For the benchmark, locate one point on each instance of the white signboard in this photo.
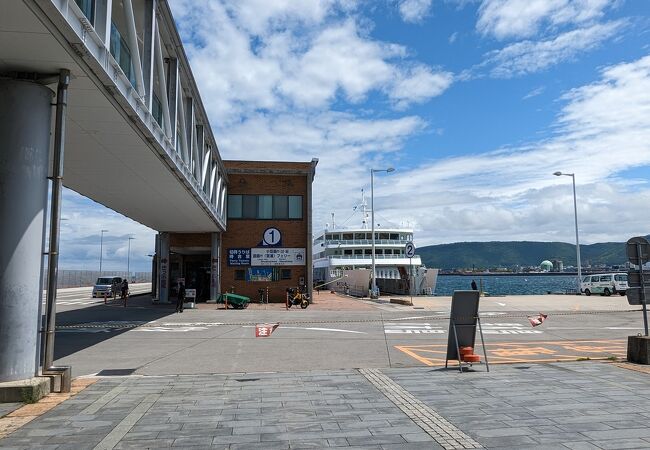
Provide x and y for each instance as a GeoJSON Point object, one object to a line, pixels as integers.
{"type": "Point", "coordinates": [278, 256]}
{"type": "Point", "coordinates": [190, 293]}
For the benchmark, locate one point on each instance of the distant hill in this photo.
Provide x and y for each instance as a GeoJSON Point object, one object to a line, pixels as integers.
{"type": "Point", "coordinates": [524, 253]}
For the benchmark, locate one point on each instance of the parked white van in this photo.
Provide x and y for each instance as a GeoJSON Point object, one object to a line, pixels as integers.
{"type": "Point", "coordinates": [604, 284]}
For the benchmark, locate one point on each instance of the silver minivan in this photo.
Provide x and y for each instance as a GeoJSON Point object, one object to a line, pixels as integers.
{"type": "Point", "coordinates": [108, 286]}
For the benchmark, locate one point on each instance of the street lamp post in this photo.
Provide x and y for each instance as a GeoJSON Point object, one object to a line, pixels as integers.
{"type": "Point", "coordinates": [373, 290]}
{"type": "Point", "coordinates": [128, 259]}
{"type": "Point", "coordinates": [101, 250]}
{"type": "Point", "coordinates": [575, 211]}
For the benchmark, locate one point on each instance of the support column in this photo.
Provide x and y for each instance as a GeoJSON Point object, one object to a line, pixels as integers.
{"type": "Point", "coordinates": [25, 114]}
{"type": "Point", "coordinates": [163, 269]}
{"type": "Point", "coordinates": [310, 236]}
{"type": "Point", "coordinates": [154, 269]}
{"type": "Point", "coordinates": [215, 267]}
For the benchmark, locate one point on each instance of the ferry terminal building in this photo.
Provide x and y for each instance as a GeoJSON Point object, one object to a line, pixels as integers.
{"type": "Point", "coordinates": [267, 244]}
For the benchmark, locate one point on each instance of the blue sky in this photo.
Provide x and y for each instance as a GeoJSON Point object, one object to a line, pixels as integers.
{"type": "Point", "coordinates": [475, 103]}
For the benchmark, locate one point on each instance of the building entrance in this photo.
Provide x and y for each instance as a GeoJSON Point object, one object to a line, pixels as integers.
{"type": "Point", "coordinates": [194, 271]}
{"type": "Point", "coordinates": [197, 276]}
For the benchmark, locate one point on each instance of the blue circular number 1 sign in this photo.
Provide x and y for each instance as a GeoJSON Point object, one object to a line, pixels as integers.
{"type": "Point", "coordinates": [271, 236]}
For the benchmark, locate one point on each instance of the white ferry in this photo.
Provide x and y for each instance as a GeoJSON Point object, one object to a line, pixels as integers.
{"type": "Point", "coordinates": [343, 259]}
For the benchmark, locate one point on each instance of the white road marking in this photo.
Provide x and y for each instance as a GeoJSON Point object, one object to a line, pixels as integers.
{"type": "Point", "coordinates": [323, 329]}
{"type": "Point", "coordinates": [488, 328]}
{"type": "Point", "coordinates": [171, 329]}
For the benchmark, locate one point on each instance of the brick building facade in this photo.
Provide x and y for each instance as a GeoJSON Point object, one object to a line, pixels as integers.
{"type": "Point", "coordinates": [267, 243]}
{"type": "Point", "coordinates": [269, 214]}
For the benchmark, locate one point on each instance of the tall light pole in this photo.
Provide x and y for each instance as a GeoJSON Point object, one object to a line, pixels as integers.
{"type": "Point", "coordinates": [374, 292]}
{"type": "Point", "coordinates": [128, 259]}
{"type": "Point", "coordinates": [101, 250]}
{"type": "Point", "coordinates": [575, 211]}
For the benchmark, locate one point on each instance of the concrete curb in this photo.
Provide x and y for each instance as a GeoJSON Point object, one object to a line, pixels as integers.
{"type": "Point", "coordinates": [26, 391]}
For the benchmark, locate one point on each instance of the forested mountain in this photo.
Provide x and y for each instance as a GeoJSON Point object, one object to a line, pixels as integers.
{"type": "Point", "coordinates": [524, 253]}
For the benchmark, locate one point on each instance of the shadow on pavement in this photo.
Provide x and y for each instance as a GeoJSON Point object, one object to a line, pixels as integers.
{"type": "Point", "coordinates": [78, 329]}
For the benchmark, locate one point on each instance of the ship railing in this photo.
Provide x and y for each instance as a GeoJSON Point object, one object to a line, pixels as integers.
{"type": "Point", "coordinates": [399, 242]}
{"type": "Point", "coordinates": [369, 256]}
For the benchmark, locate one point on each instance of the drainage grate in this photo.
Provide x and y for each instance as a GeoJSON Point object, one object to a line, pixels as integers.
{"type": "Point", "coordinates": [115, 372]}
{"type": "Point", "coordinates": [244, 380]}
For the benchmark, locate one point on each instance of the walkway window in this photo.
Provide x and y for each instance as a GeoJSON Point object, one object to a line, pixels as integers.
{"type": "Point", "coordinates": [122, 54]}
{"type": "Point", "coordinates": [88, 8]}
{"type": "Point", "coordinates": [156, 109]}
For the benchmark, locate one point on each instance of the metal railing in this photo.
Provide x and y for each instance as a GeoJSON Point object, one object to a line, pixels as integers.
{"type": "Point", "coordinates": [81, 278]}
{"type": "Point", "coordinates": [396, 242]}
{"type": "Point", "coordinates": [370, 256]}
{"type": "Point", "coordinates": [130, 62]}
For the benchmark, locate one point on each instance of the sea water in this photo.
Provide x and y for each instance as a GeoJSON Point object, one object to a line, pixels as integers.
{"type": "Point", "coordinates": [508, 285]}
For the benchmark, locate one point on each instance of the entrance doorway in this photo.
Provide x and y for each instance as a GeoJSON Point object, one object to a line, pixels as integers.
{"type": "Point", "coordinates": [197, 275]}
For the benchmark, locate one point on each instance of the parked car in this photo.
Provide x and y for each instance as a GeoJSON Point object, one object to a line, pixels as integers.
{"type": "Point", "coordinates": [107, 286]}
{"type": "Point", "coordinates": [604, 284]}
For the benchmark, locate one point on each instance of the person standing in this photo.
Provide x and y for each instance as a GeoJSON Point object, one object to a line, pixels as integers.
{"type": "Point", "coordinates": [125, 288]}
{"type": "Point", "coordinates": [181, 297]}
{"type": "Point", "coordinates": [474, 286]}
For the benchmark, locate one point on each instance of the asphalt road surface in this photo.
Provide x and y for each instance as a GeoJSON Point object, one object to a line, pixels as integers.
{"type": "Point", "coordinates": [82, 296]}
{"type": "Point", "coordinates": [141, 339]}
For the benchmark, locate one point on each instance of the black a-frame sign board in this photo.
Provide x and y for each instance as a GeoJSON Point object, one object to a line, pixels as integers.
{"type": "Point", "coordinates": [462, 326]}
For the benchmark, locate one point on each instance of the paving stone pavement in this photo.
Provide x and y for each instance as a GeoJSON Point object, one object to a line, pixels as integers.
{"type": "Point", "coordinates": [567, 405]}
{"type": "Point", "coordinates": [6, 408]}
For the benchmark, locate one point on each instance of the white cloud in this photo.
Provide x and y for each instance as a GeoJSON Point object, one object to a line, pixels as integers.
{"type": "Point", "coordinates": [534, 93]}
{"type": "Point", "coordinates": [524, 18]}
{"type": "Point", "coordinates": [302, 55]}
{"type": "Point", "coordinates": [339, 58]}
{"type": "Point", "coordinates": [414, 10]}
{"type": "Point", "coordinates": [453, 37]}
{"type": "Point", "coordinates": [510, 193]}
{"type": "Point", "coordinates": [418, 85]}
{"type": "Point", "coordinates": [533, 56]}
{"type": "Point", "coordinates": [80, 237]}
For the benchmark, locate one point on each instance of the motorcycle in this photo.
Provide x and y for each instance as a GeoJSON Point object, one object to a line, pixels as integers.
{"type": "Point", "coordinates": [297, 297]}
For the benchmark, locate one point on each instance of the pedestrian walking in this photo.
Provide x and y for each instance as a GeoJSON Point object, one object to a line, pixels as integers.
{"type": "Point", "coordinates": [125, 288]}
{"type": "Point", "coordinates": [474, 286]}
{"type": "Point", "coordinates": [180, 298]}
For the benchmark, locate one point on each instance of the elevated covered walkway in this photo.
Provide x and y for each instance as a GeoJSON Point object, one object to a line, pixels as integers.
{"type": "Point", "coordinates": [130, 129]}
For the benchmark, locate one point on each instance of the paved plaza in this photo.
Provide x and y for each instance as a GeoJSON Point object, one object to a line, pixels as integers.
{"type": "Point", "coordinates": [580, 405]}
{"type": "Point", "coordinates": [343, 373]}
